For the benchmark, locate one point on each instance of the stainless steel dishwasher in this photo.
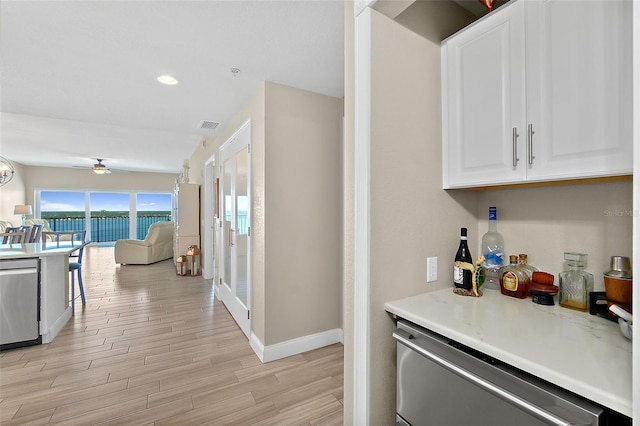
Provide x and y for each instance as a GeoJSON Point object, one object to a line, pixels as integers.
{"type": "Point", "coordinates": [441, 382]}
{"type": "Point", "coordinates": [19, 303]}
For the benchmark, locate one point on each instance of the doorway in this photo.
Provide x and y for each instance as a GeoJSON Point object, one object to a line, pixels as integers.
{"type": "Point", "coordinates": [211, 216]}
{"type": "Point", "coordinates": [235, 249]}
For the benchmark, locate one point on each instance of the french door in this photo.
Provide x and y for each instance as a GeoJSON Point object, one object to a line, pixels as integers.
{"type": "Point", "coordinates": [235, 283]}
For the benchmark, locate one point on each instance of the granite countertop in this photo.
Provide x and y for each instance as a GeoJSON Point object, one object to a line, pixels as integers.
{"type": "Point", "coordinates": [577, 351]}
{"type": "Point", "coordinates": [22, 251]}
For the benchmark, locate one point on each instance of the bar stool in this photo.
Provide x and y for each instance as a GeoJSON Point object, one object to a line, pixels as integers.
{"type": "Point", "coordinates": [75, 267]}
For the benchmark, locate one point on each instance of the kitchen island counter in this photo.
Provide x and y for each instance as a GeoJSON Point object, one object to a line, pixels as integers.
{"type": "Point", "coordinates": [25, 251]}
{"type": "Point", "coordinates": [582, 353]}
{"type": "Point", "coordinates": [55, 310]}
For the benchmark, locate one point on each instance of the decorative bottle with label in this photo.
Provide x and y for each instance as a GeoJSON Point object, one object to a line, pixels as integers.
{"type": "Point", "coordinates": [493, 252]}
{"type": "Point", "coordinates": [523, 261]}
{"type": "Point", "coordinates": [462, 277]}
{"type": "Point", "coordinates": [576, 283]}
{"type": "Point", "coordinates": [513, 280]}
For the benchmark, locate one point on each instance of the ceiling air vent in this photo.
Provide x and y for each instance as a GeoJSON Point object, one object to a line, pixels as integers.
{"type": "Point", "coordinates": [208, 125]}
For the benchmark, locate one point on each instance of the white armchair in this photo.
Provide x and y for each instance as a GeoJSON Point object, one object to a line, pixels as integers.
{"type": "Point", "coordinates": [157, 246]}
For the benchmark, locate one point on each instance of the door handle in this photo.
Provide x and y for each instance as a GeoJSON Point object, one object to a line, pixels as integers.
{"type": "Point", "coordinates": [231, 231]}
{"type": "Point", "coordinates": [514, 141]}
{"type": "Point", "coordinates": [530, 134]}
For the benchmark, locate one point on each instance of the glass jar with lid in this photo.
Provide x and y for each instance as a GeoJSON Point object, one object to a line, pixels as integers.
{"type": "Point", "coordinates": [576, 283]}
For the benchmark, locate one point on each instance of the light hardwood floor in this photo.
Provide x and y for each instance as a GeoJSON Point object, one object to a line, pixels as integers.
{"type": "Point", "coordinates": [151, 348]}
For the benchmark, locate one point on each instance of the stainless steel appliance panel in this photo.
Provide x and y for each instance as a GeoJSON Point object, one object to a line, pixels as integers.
{"type": "Point", "coordinates": [19, 302]}
{"type": "Point", "coordinates": [441, 382]}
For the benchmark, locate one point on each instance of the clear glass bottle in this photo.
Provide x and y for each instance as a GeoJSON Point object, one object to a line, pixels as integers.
{"type": "Point", "coordinates": [576, 283]}
{"type": "Point", "coordinates": [493, 252]}
{"type": "Point", "coordinates": [524, 265]}
{"type": "Point", "coordinates": [513, 280]}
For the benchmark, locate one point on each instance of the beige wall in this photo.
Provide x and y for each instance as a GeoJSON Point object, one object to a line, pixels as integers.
{"type": "Point", "coordinates": [63, 178]}
{"type": "Point", "coordinates": [435, 20]}
{"type": "Point", "coordinates": [302, 205]}
{"type": "Point", "coordinates": [545, 222]}
{"type": "Point", "coordinates": [295, 228]}
{"type": "Point", "coordinates": [411, 216]}
{"type": "Point", "coordinates": [254, 109]}
{"type": "Point", "coordinates": [28, 179]}
{"type": "Point", "coordinates": [13, 193]}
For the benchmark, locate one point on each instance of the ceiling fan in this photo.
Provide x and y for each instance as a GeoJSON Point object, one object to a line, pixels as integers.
{"type": "Point", "coordinates": [98, 168]}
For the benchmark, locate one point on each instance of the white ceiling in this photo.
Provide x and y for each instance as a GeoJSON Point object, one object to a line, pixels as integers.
{"type": "Point", "coordinates": [78, 78]}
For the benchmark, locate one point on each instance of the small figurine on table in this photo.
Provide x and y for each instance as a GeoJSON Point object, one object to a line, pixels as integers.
{"type": "Point", "coordinates": [477, 278]}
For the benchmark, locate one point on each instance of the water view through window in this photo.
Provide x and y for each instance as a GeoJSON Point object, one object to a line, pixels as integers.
{"type": "Point", "coordinates": [106, 216]}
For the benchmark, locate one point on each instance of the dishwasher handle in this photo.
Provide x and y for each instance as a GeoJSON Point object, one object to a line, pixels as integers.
{"type": "Point", "coordinates": [406, 338]}
{"type": "Point", "coordinates": [20, 271]}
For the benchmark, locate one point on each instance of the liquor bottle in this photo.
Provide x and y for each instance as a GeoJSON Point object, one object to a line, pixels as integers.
{"type": "Point", "coordinates": [513, 280]}
{"type": "Point", "coordinates": [493, 252]}
{"type": "Point", "coordinates": [462, 277]}
{"type": "Point", "coordinates": [524, 265]}
{"type": "Point", "coordinates": [576, 283]}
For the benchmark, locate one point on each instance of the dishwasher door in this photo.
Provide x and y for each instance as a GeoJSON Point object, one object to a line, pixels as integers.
{"type": "Point", "coordinates": [19, 303]}
{"type": "Point", "coordinates": [441, 382]}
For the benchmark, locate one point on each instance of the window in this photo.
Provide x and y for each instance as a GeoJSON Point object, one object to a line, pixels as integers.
{"type": "Point", "coordinates": [107, 216]}
{"type": "Point", "coordinates": [151, 208]}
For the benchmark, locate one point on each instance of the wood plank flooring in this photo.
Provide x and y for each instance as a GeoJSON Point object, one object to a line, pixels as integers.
{"type": "Point", "coordinates": [151, 348]}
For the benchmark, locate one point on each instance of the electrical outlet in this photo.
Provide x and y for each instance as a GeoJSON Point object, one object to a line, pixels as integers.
{"type": "Point", "coordinates": [432, 269]}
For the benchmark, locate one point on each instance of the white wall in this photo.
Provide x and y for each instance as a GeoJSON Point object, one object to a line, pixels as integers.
{"type": "Point", "coordinates": [348, 202]}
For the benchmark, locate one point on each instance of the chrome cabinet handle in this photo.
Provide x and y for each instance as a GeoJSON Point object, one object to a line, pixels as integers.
{"type": "Point", "coordinates": [407, 339]}
{"type": "Point", "coordinates": [514, 140]}
{"type": "Point", "coordinates": [530, 134]}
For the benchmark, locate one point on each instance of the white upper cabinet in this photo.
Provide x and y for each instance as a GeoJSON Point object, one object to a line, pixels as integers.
{"type": "Point", "coordinates": [579, 90]}
{"type": "Point", "coordinates": [538, 91]}
{"type": "Point", "coordinates": [484, 101]}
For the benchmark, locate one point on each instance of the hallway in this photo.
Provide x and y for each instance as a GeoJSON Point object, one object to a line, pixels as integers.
{"type": "Point", "coordinates": [153, 348]}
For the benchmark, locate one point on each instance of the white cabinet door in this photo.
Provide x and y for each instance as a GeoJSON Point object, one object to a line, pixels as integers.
{"type": "Point", "coordinates": [578, 88]}
{"type": "Point", "coordinates": [484, 101]}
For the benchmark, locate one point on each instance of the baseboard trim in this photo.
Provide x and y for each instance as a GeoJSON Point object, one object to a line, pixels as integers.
{"type": "Point", "coordinates": [57, 326]}
{"type": "Point", "coordinates": [295, 346]}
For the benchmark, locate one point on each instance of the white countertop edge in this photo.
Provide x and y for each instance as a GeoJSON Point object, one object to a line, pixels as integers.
{"type": "Point", "coordinates": [27, 250]}
{"type": "Point", "coordinates": [411, 308]}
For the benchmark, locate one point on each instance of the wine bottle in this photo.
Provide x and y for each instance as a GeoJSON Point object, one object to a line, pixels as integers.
{"type": "Point", "coordinates": [493, 252]}
{"type": "Point", "coordinates": [462, 277]}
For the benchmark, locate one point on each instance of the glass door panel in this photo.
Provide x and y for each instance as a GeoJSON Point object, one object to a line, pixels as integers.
{"type": "Point", "coordinates": [227, 217]}
{"type": "Point", "coordinates": [235, 291]}
{"type": "Point", "coordinates": [109, 216]}
{"type": "Point", "coordinates": [241, 210]}
{"type": "Point", "coordinates": [64, 210]}
{"type": "Point", "coordinates": [151, 208]}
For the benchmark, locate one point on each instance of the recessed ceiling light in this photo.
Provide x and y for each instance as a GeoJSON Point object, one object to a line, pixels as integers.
{"type": "Point", "coordinates": [167, 79]}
